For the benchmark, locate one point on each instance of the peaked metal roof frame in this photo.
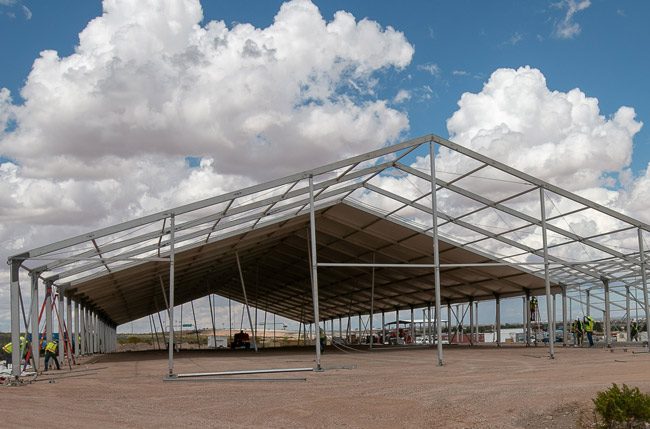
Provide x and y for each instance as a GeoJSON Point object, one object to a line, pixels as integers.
{"type": "Point", "coordinates": [548, 250]}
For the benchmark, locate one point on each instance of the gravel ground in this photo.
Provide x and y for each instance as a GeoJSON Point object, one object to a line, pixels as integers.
{"type": "Point", "coordinates": [478, 387]}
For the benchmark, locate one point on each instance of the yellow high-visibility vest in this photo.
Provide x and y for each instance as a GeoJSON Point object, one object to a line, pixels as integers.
{"type": "Point", "coordinates": [51, 347]}
{"type": "Point", "coordinates": [589, 326]}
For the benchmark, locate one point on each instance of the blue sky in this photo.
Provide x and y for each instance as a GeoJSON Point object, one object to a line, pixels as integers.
{"type": "Point", "coordinates": [597, 46]}
{"type": "Point", "coordinates": [607, 59]}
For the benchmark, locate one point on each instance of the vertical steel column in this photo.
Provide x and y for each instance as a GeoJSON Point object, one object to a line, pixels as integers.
{"type": "Point", "coordinates": [552, 330]}
{"type": "Point", "coordinates": [476, 324]}
{"type": "Point", "coordinates": [93, 339]}
{"type": "Point", "coordinates": [449, 314]}
{"type": "Point", "coordinates": [314, 264]}
{"type": "Point", "coordinates": [396, 325]}
{"type": "Point", "coordinates": [459, 326]}
{"type": "Point", "coordinates": [340, 328]}
{"type": "Point", "coordinates": [48, 311]}
{"type": "Point", "coordinates": [565, 326]}
{"type": "Point", "coordinates": [372, 301]}
{"type": "Point", "coordinates": [588, 292]}
{"type": "Point", "coordinates": [628, 330]}
{"type": "Point", "coordinates": [471, 322]}
{"type": "Point", "coordinates": [547, 278]}
{"type": "Point", "coordinates": [77, 329]}
{"type": "Point", "coordinates": [606, 318]}
{"type": "Point", "coordinates": [61, 324]}
{"type": "Point", "coordinates": [383, 328]}
{"type": "Point", "coordinates": [360, 324]}
{"type": "Point", "coordinates": [645, 287]}
{"type": "Point", "coordinates": [429, 326]}
{"type": "Point", "coordinates": [14, 293]}
{"type": "Point", "coordinates": [526, 319]}
{"type": "Point", "coordinates": [436, 255]}
{"type": "Point", "coordinates": [497, 322]}
{"type": "Point", "coordinates": [413, 335]}
{"type": "Point", "coordinates": [36, 349]}
{"type": "Point", "coordinates": [68, 319]}
{"type": "Point", "coordinates": [248, 309]}
{"type": "Point", "coordinates": [172, 258]}
{"type": "Point", "coordinates": [82, 329]}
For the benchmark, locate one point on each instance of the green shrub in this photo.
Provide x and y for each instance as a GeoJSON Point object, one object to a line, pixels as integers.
{"type": "Point", "coordinates": [625, 407]}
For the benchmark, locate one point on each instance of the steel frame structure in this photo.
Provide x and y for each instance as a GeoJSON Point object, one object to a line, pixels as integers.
{"type": "Point", "coordinates": [486, 242]}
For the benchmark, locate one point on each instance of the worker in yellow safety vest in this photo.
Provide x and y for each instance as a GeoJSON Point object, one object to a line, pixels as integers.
{"type": "Point", "coordinates": [589, 329]}
{"type": "Point", "coordinates": [8, 348]}
{"type": "Point", "coordinates": [50, 353]}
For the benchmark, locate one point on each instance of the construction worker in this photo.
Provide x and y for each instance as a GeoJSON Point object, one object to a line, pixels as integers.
{"type": "Point", "coordinates": [634, 331]}
{"type": "Point", "coordinates": [576, 328]}
{"type": "Point", "coordinates": [589, 329]}
{"type": "Point", "coordinates": [8, 348]}
{"type": "Point", "coordinates": [50, 353]}
{"type": "Point", "coordinates": [323, 340]}
{"type": "Point", "coordinates": [533, 308]}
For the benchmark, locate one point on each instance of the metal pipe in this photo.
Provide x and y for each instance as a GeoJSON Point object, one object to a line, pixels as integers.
{"type": "Point", "coordinates": [314, 264]}
{"type": "Point", "coordinates": [48, 311]}
{"type": "Point", "coordinates": [547, 279]}
{"type": "Point", "coordinates": [471, 322]}
{"type": "Point", "coordinates": [628, 326]}
{"type": "Point", "coordinates": [498, 320]}
{"type": "Point", "coordinates": [436, 250]}
{"type": "Point", "coordinates": [606, 312]}
{"type": "Point", "coordinates": [14, 292]}
{"type": "Point", "coordinates": [61, 325]}
{"type": "Point", "coordinates": [252, 371]}
{"type": "Point", "coordinates": [171, 292]}
{"type": "Point", "coordinates": [69, 326]}
{"type": "Point", "coordinates": [248, 310]}
{"type": "Point", "coordinates": [77, 329]}
{"type": "Point", "coordinates": [36, 335]}
{"type": "Point", "coordinates": [645, 287]}
{"type": "Point", "coordinates": [565, 326]}
{"type": "Point", "coordinates": [372, 301]}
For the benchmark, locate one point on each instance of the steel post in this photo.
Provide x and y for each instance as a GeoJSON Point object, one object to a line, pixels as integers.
{"type": "Point", "coordinates": [565, 325]}
{"type": "Point", "coordinates": [645, 287]}
{"type": "Point", "coordinates": [383, 328]}
{"type": "Point", "coordinates": [606, 312]}
{"type": "Point", "coordinates": [588, 292]}
{"type": "Point", "coordinates": [436, 252]}
{"type": "Point", "coordinates": [77, 329]}
{"type": "Point", "coordinates": [314, 264]}
{"type": "Point", "coordinates": [82, 330]}
{"type": "Point", "coordinates": [497, 322]}
{"type": "Point", "coordinates": [61, 325]}
{"type": "Point", "coordinates": [36, 335]}
{"type": "Point", "coordinates": [471, 322]}
{"type": "Point", "coordinates": [372, 301]}
{"type": "Point", "coordinates": [172, 257]}
{"type": "Point", "coordinates": [48, 311]}
{"type": "Point", "coordinates": [476, 324]}
{"type": "Point", "coordinates": [628, 327]}
{"type": "Point", "coordinates": [527, 318]}
{"type": "Point", "coordinates": [429, 325]}
{"type": "Point", "coordinates": [413, 334]}
{"type": "Point", "coordinates": [14, 293]}
{"type": "Point", "coordinates": [68, 319]}
{"type": "Point", "coordinates": [547, 278]}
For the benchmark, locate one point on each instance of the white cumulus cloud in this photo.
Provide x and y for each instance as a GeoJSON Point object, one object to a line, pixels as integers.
{"type": "Point", "coordinates": [102, 134]}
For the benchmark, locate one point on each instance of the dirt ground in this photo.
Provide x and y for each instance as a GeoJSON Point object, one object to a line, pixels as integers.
{"type": "Point", "coordinates": [478, 387]}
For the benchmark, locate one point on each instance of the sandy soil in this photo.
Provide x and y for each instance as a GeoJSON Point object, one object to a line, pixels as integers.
{"type": "Point", "coordinates": [479, 387]}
